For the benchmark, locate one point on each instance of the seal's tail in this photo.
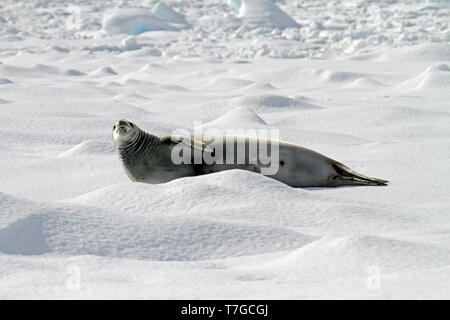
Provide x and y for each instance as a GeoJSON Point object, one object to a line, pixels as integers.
{"type": "Point", "coordinates": [347, 177]}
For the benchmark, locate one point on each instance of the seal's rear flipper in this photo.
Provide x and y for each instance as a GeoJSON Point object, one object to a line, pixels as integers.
{"type": "Point", "coordinates": [347, 177]}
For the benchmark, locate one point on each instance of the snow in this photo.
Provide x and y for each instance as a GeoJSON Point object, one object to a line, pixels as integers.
{"type": "Point", "coordinates": [129, 44]}
{"type": "Point", "coordinates": [264, 13]}
{"type": "Point", "coordinates": [132, 22]}
{"type": "Point", "coordinates": [434, 77]}
{"type": "Point", "coordinates": [166, 13]}
{"type": "Point", "coordinates": [364, 83]}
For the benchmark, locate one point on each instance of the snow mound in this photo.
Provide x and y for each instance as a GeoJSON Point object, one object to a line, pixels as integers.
{"type": "Point", "coordinates": [382, 116]}
{"type": "Point", "coordinates": [132, 79]}
{"type": "Point", "coordinates": [133, 22]}
{"type": "Point", "coordinates": [151, 52]}
{"type": "Point", "coordinates": [172, 87]}
{"type": "Point", "coordinates": [43, 68]}
{"type": "Point", "coordinates": [338, 76]}
{"type": "Point", "coordinates": [77, 230]}
{"type": "Point", "coordinates": [24, 237]}
{"type": "Point", "coordinates": [110, 84]}
{"type": "Point", "coordinates": [150, 67]}
{"type": "Point", "coordinates": [5, 81]}
{"type": "Point", "coordinates": [166, 13]}
{"type": "Point", "coordinates": [226, 83]}
{"type": "Point", "coordinates": [14, 208]}
{"type": "Point", "coordinates": [353, 255]}
{"type": "Point", "coordinates": [440, 67]}
{"type": "Point", "coordinates": [96, 107]}
{"type": "Point", "coordinates": [434, 77]}
{"type": "Point", "coordinates": [306, 76]}
{"type": "Point", "coordinates": [255, 199]}
{"type": "Point", "coordinates": [265, 13]}
{"type": "Point", "coordinates": [194, 194]}
{"type": "Point", "coordinates": [259, 86]}
{"type": "Point", "coordinates": [271, 100]}
{"type": "Point", "coordinates": [73, 72]}
{"type": "Point", "coordinates": [38, 70]}
{"type": "Point", "coordinates": [365, 83]}
{"type": "Point", "coordinates": [395, 115]}
{"type": "Point", "coordinates": [103, 72]}
{"type": "Point", "coordinates": [241, 117]}
{"type": "Point", "coordinates": [430, 52]}
{"type": "Point", "coordinates": [207, 196]}
{"type": "Point", "coordinates": [2, 101]}
{"type": "Point", "coordinates": [130, 44]}
{"type": "Point", "coordinates": [130, 97]}
{"type": "Point", "coordinates": [89, 147]}
{"type": "Point", "coordinates": [178, 239]}
{"type": "Point", "coordinates": [267, 102]}
{"type": "Point", "coordinates": [235, 4]}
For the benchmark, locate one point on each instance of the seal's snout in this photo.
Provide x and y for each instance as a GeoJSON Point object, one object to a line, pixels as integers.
{"type": "Point", "coordinates": [122, 126]}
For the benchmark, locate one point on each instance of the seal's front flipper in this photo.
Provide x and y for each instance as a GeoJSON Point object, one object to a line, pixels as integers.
{"type": "Point", "coordinates": [194, 143]}
{"type": "Point", "coordinates": [200, 154]}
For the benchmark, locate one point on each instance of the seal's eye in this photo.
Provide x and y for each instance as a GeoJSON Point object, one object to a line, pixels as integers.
{"type": "Point", "coordinates": [131, 124]}
{"type": "Point", "coordinates": [114, 128]}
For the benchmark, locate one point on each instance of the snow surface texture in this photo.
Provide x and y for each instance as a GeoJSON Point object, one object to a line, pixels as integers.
{"type": "Point", "coordinates": [366, 83]}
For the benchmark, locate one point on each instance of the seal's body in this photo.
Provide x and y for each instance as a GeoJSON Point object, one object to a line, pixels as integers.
{"type": "Point", "coordinates": [150, 158]}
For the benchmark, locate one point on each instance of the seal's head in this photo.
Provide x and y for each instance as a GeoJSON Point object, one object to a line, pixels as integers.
{"type": "Point", "coordinates": [124, 132]}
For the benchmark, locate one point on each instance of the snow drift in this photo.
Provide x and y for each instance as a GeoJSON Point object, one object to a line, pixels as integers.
{"type": "Point", "coordinates": [265, 13]}
{"type": "Point", "coordinates": [133, 22]}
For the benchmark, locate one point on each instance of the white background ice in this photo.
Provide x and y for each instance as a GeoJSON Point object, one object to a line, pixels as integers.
{"type": "Point", "coordinates": [366, 83]}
